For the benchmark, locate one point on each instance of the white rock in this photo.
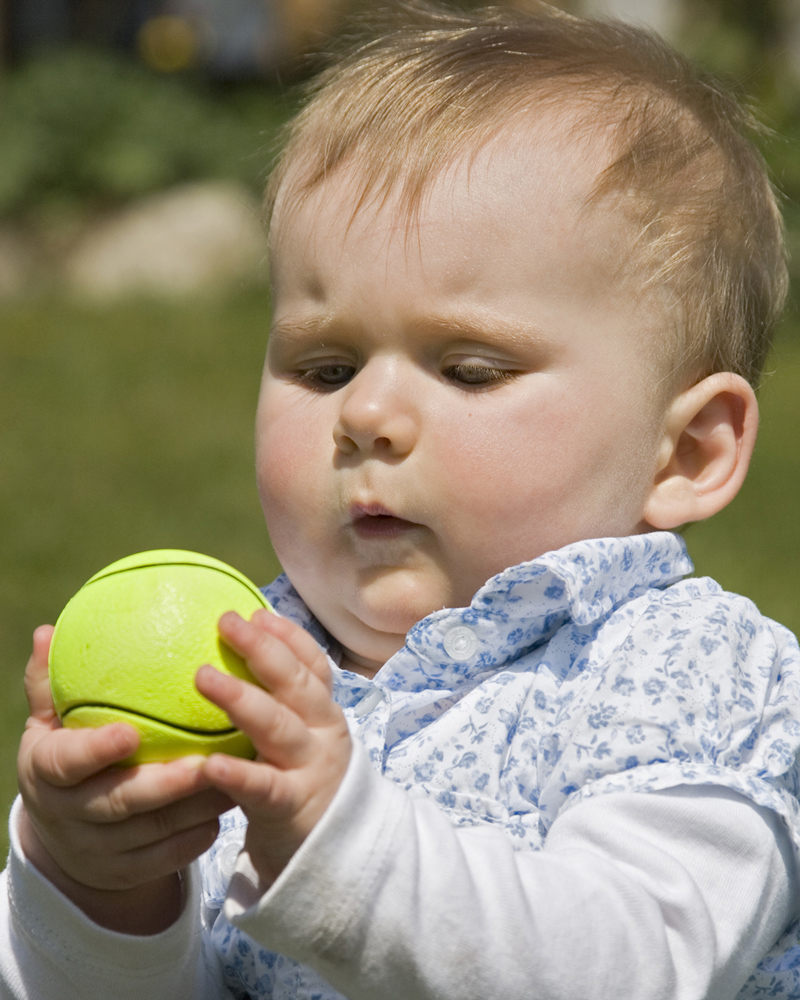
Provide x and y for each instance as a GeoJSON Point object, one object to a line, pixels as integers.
{"type": "Point", "coordinates": [182, 241]}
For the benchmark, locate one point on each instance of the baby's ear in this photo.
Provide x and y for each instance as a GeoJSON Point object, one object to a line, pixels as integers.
{"type": "Point", "coordinates": [709, 434]}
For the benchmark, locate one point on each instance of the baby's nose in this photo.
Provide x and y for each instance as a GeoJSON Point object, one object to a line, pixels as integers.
{"type": "Point", "coordinates": [377, 417]}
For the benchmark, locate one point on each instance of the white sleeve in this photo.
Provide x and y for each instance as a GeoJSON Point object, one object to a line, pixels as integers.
{"type": "Point", "coordinates": [672, 894]}
{"type": "Point", "coordinates": [49, 950]}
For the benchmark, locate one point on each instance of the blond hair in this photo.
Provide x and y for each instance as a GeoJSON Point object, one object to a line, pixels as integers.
{"type": "Point", "coordinates": [435, 85]}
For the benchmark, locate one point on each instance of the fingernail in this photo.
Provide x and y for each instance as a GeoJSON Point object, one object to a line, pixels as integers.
{"type": "Point", "coordinates": [221, 766]}
{"type": "Point", "coordinates": [124, 738]}
{"type": "Point", "coordinates": [193, 762]}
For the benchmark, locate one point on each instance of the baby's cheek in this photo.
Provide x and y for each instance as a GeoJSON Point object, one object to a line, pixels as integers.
{"type": "Point", "coordinates": [488, 464]}
{"type": "Point", "coordinates": [278, 488]}
{"type": "Point", "coordinates": [283, 446]}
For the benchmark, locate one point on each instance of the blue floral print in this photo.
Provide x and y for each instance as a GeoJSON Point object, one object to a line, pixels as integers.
{"type": "Point", "coordinates": [589, 670]}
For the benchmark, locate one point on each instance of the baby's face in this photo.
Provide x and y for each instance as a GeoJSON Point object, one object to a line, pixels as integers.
{"type": "Point", "coordinates": [443, 401]}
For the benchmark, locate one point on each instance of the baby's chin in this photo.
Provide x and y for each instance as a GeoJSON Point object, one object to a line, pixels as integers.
{"type": "Point", "coordinates": [391, 601]}
{"type": "Point", "coordinates": [371, 632]}
{"type": "Point", "coordinates": [374, 641]}
{"type": "Point", "coordinates": [369, 613]}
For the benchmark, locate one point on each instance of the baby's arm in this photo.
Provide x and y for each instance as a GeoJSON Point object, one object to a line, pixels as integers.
{"type": "Point", "coordinates": [635, 896]}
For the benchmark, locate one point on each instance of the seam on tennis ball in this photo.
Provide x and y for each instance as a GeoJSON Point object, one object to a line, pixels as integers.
{"type": "Point", "coordinates": [135, 713]}
{"type": "Point", "coordinates": [234, 574]}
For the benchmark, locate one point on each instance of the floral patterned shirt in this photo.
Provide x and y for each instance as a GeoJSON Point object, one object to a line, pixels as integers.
{"type": "Point", "coordinates": [589, 670]}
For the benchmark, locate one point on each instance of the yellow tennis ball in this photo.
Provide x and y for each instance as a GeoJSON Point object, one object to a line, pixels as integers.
{"type": "Point", "coordinates": [127, 646]}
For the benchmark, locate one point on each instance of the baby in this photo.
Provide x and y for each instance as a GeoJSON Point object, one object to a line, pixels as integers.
{"type": "Point", "coordinates": [525, 270]}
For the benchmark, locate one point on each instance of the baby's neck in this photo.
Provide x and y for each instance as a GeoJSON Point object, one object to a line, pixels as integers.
{"type": "Point", "coordinates": [358, 665]}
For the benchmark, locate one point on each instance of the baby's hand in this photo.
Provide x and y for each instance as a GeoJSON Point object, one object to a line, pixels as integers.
{"type": "Point", "coordinates": [299, 732]}
{"type": "Point", "coordinates": [111, 839]}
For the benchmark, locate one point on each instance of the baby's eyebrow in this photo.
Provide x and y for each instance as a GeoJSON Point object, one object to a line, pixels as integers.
{"type": "Point", "coordinates": [485, 327]}
{"type": "Point", "coordinates": [301, 329]}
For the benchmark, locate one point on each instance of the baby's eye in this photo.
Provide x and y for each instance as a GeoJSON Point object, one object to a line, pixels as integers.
{"type": "Point", "coordinates": [324, 377]}
{"type": "Point", "coordinates": [478, 375]}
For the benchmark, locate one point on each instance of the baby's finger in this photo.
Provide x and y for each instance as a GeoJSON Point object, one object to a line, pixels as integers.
{"type": "Point", "coordinates": [170, 855]}
{"type": "Point", "coordinates": [37, 679]}
{"type": "Point", "coordinates": [66, 757]}
{"type": "Point", "coordinates": [301, 643]}
{"type": "Point", "coordinates": [276, 666]}
{"type": "Point", "coordinates": [278, 735]}
{"type": "Point", "coordinates": [121, 793]}
{"type": "Point", "coordinates": [254, 786]}
{"type": "Point", "coordinates": [102, 867]}
{"type": "Point", "coordinates": [141, 830]}
{"type": "Point", "coordinates": [97, 861]}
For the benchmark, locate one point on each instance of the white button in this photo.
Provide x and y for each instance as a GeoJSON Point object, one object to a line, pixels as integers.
{"type": "Point", "coordinates": [461, 643]}
{"type": "Point", "coordinates": [227, 859]}
{"type": "Point", "coordinates": [368, 702]}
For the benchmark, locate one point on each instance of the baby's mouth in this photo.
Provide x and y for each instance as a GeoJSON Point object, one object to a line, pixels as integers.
{"type": "Point", "coordinates": [375, 521]}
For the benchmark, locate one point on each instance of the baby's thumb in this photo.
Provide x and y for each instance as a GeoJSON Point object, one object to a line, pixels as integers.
{"type": "Point", "coordinates": [37, 678]}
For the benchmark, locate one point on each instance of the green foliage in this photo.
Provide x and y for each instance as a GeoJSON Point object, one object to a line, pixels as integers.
{"type": "Point", "coordinates": [89, 126]}
{"type": "Point", "coordinates": [745, 43]}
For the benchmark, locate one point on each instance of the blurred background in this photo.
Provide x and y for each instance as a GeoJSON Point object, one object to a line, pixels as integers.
{"type": "Point", "coordinates": [134, 141]}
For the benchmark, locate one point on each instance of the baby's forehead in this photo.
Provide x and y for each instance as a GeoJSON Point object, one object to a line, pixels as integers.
{"type": "Point", "coordinates": [526, 189]}
{"type": "Point", "coordinates": [552, 157]}
{"type": "Point", "coordinates": [521, 204]}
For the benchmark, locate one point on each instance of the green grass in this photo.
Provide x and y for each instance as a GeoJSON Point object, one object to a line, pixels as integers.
{"type": "Point", "coordinates": [130, 428]}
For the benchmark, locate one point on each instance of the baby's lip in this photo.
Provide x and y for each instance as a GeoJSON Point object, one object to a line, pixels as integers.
{"type": "Point", "coordinates": [358, 510]}
{"type": "Point", "coordinates": [373, 520]}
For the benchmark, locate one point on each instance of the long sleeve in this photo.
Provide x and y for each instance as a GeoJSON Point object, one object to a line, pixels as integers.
{"type": "Point", "coordinates": [50, 951]}
{"type": "Point", "coordinates": [676, 893]}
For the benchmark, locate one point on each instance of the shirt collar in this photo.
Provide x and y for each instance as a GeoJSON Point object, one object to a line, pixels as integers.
{"type": "Point", "coordinates": [284, 599]}
{"type": "Point", "coordinates": [588, 579]}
